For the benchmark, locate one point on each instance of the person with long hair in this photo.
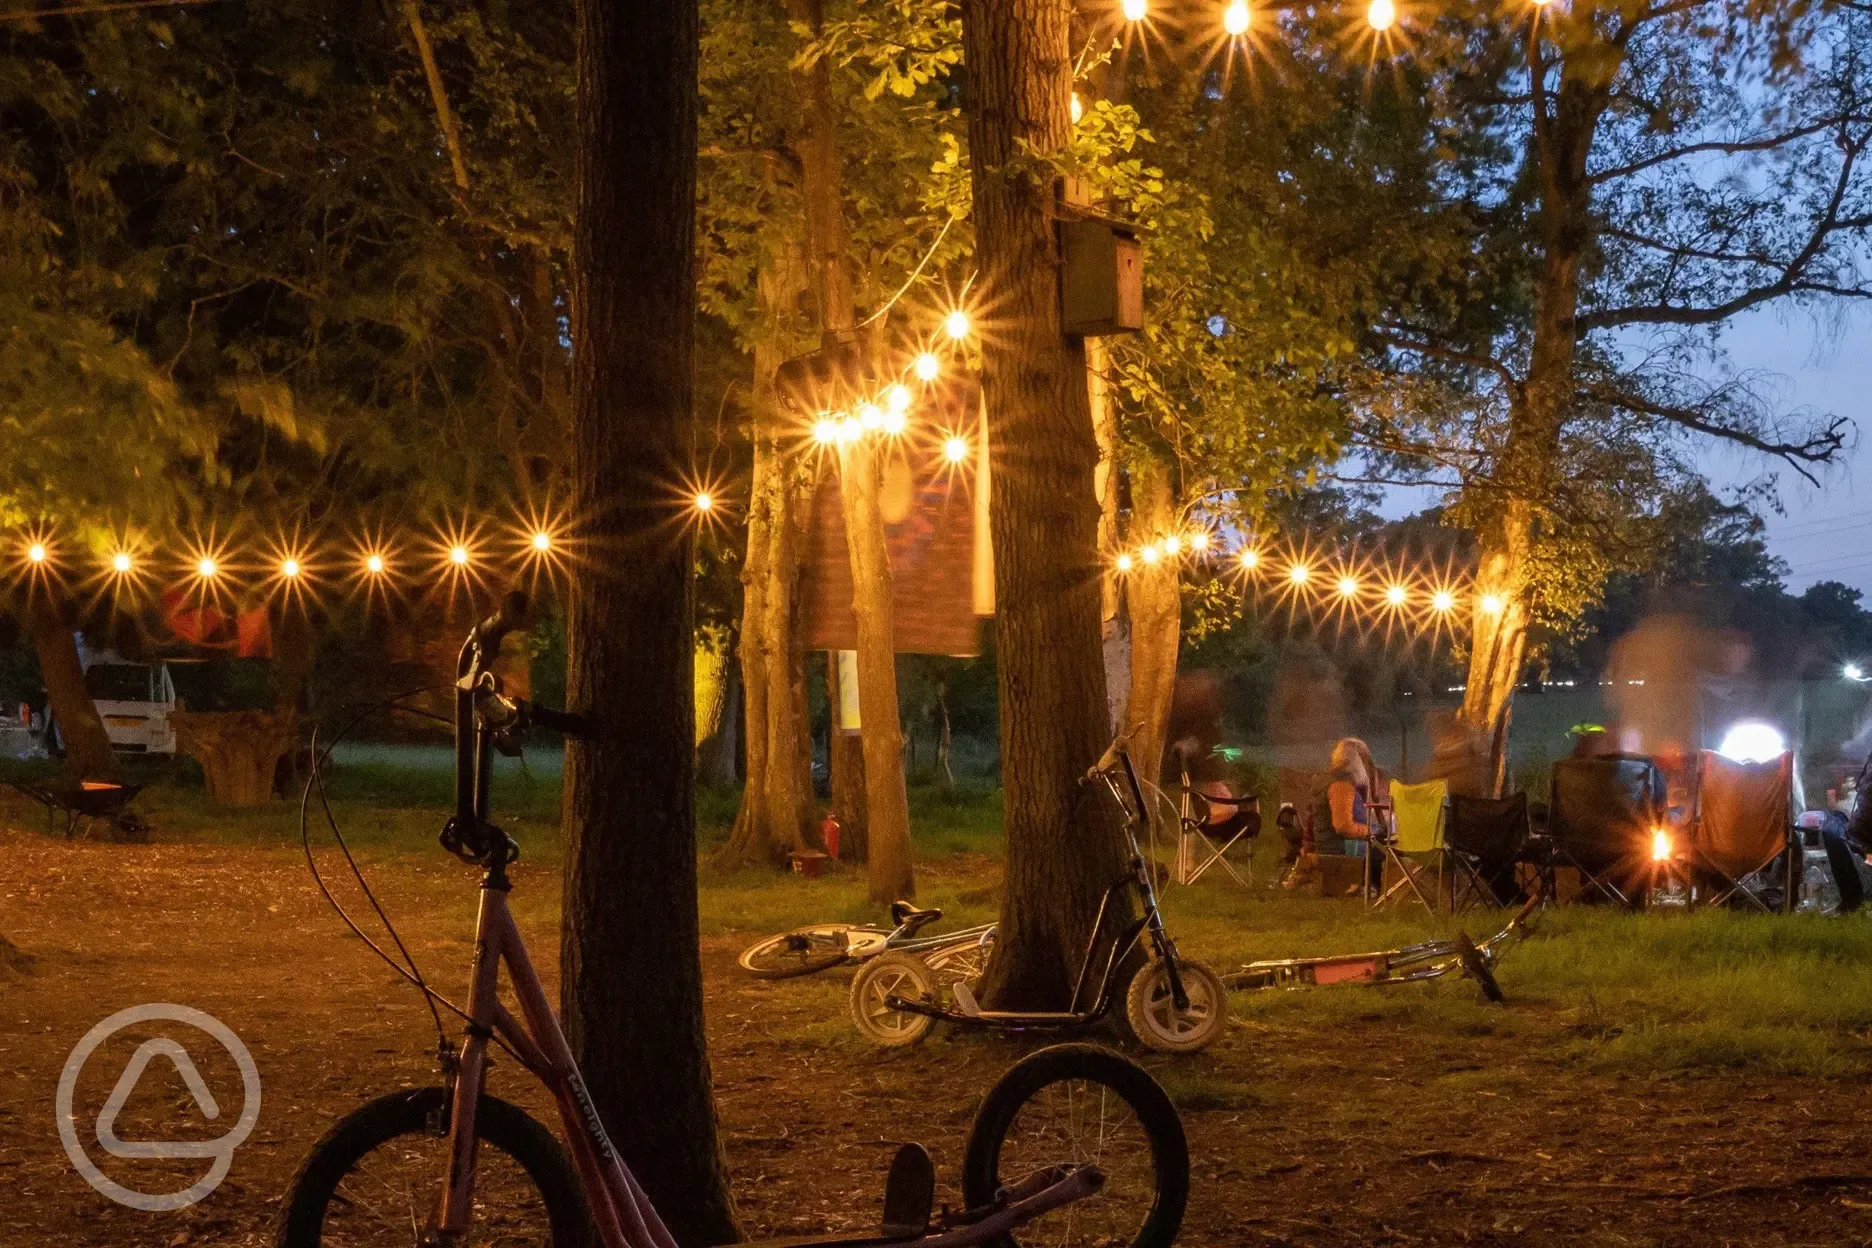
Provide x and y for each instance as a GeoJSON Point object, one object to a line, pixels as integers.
{"type": "Point", "coordinates": [1342, 804]}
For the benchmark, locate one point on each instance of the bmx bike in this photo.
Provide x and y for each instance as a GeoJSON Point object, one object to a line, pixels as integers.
{"type": "Point", "coordinates": [1074, 1134]}
{"type": "Point", "coordinates": [1172, 1003]}
{"type": "Point", "coordinates": [822, 946]}
{"type": "Point", "coordinates": [1413, 964]}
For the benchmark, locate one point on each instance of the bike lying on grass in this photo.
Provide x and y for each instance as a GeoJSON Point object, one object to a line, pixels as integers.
{"type": "Point", "coordinates": [1412, 964]}
{"type": "Point", "coordinates": [1172, 1003]}
{"type": "Point", "coordinates": [1074, 1133]}
{"type": "Point", "coordinates": [822, 946]}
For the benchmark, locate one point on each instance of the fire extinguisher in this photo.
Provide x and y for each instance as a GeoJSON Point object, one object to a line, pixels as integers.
{"type": "Point", "coordinates": [829, 835]}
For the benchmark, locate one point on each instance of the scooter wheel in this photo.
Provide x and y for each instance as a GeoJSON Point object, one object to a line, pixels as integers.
{"type": "Point", "coordinates": [893, 974]}
{"type": "Point", "coordinates": [1152, 1015]}
{"type": "Point", "coordinates": [1476, 965]}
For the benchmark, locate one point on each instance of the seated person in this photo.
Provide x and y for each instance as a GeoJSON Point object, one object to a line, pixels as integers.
{"type": "Point", "coordinates": [1847, 840]}
{"type": "Point", "coordinates": [1342, 804]}
{"type": "Point", "coordinates": [1215, 800]}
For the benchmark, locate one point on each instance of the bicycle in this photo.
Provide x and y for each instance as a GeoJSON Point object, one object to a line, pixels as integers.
{"type": "Point", "coordinates": [1172, 1003]}
{"type": "Point", "coordinates": [1413, 964]}
{"type": "Point", "coordinates": [451, 1166]}
{"type": "Point", "coordinates": [822, 946]}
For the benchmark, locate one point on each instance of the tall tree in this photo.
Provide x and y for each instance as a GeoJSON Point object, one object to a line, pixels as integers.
{"type": "Point", "coordinates": [1638, 175]}
{"type": "Point", "coordinates": [631, 987]}
{"type": "Point", "coordinates": [1044, 513]}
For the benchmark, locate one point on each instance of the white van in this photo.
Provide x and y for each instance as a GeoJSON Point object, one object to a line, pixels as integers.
{"type": "Point", "coordinates": [135, 701]}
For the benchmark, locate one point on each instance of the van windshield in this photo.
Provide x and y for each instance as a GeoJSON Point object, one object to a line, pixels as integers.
{"type": "Point", "coordinates": [118, 682]}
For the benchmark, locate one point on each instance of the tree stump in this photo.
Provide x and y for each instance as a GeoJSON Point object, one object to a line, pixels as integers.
{"type": "Point", "coordinates": [239, 751]}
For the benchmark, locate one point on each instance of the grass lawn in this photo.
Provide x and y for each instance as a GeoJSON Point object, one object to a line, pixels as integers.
{"type": "Point", "coordinates": [1642, 1068]}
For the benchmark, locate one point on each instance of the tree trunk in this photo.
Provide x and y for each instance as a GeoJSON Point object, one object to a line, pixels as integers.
{"type": "Point", "coordinates": [1559, 145]}
{"type": "Point", "coordinates": [943, 737]}
{"type": "Point", "coordinates": [239, 751]}
{"type": "Point", "coordinates": [715, 766]}
{"type": "Point", "coordinates": [1114, 619]}
{"type": "Point", "coordinates": [846, 774]}
{"type": "Point", "coordinates": [828, 245]}
{"type": "Point", "coordinates": [1154, 595]}
{"type": "Point", "coordinates": [87, 746]}
{"type": "Point", "coordinates": [776, 801]}
{"type": "Point", "coordinates": [1062, 848]}
{"type": "Point", "coordinates": [631, 974]}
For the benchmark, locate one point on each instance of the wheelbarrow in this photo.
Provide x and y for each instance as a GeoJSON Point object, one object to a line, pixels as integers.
{"type": "Point", "coordinates": [87, 804]}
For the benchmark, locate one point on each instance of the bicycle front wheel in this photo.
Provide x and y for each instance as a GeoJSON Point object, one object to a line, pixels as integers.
{"type": "Point", "coordinates": [802, 951]}
{"type": "Point", "coordinates": [1079, 1104]}
{"type": "Point", "coordinates": [375, 1180]}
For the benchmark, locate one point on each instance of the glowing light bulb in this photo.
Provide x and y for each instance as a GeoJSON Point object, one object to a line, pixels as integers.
{"type": "Point", "coordinates": [374, 564]}
{"type": "Point", "coordinates": [1443, 600]}
{"type": "Point", "coordinates": [1078, 109]}
{"type": "Point", "coordinates": [955, 449]}
{"type": "Point", "coordinates": [1250, 560]}
{"type": "Point", "coordinates": [1124, 563]}
{"type": "Point", "coordinates": [36, 552]}
{"type": "Point", "coordinates": [207, 568]}
{"type": "Point", "coordinates": [956, 324]}
{"type": "Point", "coordinates": [895, 423]}
{"type": "Point", "coordinates": [1235, 18]}
{"type": "Point", "coordinates": [289, 568]}
{"type": "Point", "coordinates": [1150, 555]}
{"type": "Point", "coordinates": [1395, 595]}
{"type": "Point", "coordinates": [1382, 15]}
{"type": "Point", "coordinates": [121, 562]}
{"type": "Point", "coordinates": [897, 398]}
{"type": "Point", "coordinates": [824, 431]}
{"type": "Point", "coordinates": [1134, 10]}
{"type": "Point", "coordinates": [848, 429]}
{"type": "Point", "coordinates": [1199, 540]}
{"type": "Point", "coordinates": [1299, 573]}
{"type": "Point", "coordinates": [1348, 587]}
{"type": "Point", "coordinates": [704, 501]}
{"type": "Point", "coordinates": [1660, 845]}
{"type": "Point", "coordinates": [928, 367]}
{"type": "Point", "coordinates": [1172, 545]}
{"type": "Point", "coordinates": [871, 416]}
{"type": "Point", "coordinates": [458, 555]}
{"type": "Point", "coordinates": [1852, 671]}
{"type": "Point", "coordinates": [1492, 604]}
{"type": "Point", "coordinates": [542, 541]}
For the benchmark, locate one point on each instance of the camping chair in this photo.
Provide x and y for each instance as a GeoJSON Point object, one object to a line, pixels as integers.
{"type": "Point", "coordinates": [1416, 834]}
{"type": "Point", "coordinates": [1205, 836]}
{"type": "Point", "coordinates": [1600, 818]}
{"type": "Point", "coordinates": [1485, 837]}
{"type": "Point", "coordinates": [1743, 823]}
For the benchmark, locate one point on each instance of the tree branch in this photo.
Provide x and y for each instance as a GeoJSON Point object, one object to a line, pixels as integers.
{"type": "Point", "coordinates": [1487, 362]}
{"type": "Point", "coordinates": [1820, 448]}
{"type": "Point", "coordinates": [1733, 147]}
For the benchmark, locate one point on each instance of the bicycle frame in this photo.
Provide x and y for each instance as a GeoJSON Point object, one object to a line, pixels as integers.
{"type": "Point", "coordinates": [1431, 959]}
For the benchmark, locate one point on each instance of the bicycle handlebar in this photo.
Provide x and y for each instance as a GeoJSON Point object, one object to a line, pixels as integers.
{"type": "Point", "coordinates": [513, 614]}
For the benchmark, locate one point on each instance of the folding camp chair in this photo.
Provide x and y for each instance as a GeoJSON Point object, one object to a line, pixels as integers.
{"type": "Point", "coordinates": [1203, 841]}
{"type": "Point", "coordinates": [1416, 834]}
{"type": "Point", "coordinates": [1743, 823]}
{"type": "Point", "coordinates": [1600, 819]}
{"type": "Point", "coordinates": [1485, 837]}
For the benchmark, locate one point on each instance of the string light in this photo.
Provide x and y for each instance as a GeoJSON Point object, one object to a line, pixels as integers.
{"type": "Point", "coordinates": [1172, 544]}
{"type": "Point", "coordinates": [957, 325]}
{"type": "Point", "coordinates": [825, 431]}
{"type": "Point", "coordinates": [1299, 574]}
{"type": "Point", "coordinates": [1382, 15]}
{"type": "Point", "coordinates": [928, 367]}
{"type": "Point", "coordinates": [1199, 540]}
{"type": "Point", "coordinates": [1395, 595]}
{"type": "Point", "coordinates": [1078, 109]}
{"type": "Point", "coordinates": [704, 501]}
{"type": "Point", "coordinates": [895, 423]}
{"type": "Point", "coordinates": [542, 541]}
{"type": "Point", "coordinates": [1348, 588]}
{"type": "Point", "coordinates": [848, 429]}
{"type": "Point", "coordinates": [1124, 563]}
{"type": "Point", "coordinates": [870, 416]}
{"type": "Point", "coordinates": [1236, 18]}
{"type": "Point", "coordinates": [207, 568]}
{"type": "Point", "coordinates": [897, 398]}
{"type": "Point", "coordinates": [955, 448]}
{"type": "Point", "coordinates": [290, 568]}
{"type": "Point", "coordinates": [1134, 10]}
{"type": "Point", "coordinates": [1250, 559]}
{"type": "Point", "coordinates": [374, 563]}
{"type": "Point", "coordinates": [1492, 604]}
{"type": "Point", "coordinates": [1443, 600]}
{"type": "Point", "coordinates": [458, 555]}
{"type": "Point", "coordinates": [1150, 555]}
{"type": "Point", "coordinates": [36, 553]}
{"type": "Point", "coordinates": [121, 562]}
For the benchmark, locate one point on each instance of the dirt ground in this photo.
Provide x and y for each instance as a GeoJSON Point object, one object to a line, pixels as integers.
{"type": "Point", "coordinates": [1299, 1134]}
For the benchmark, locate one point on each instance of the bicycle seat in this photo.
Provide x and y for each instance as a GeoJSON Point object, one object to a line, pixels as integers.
{"type": "Point", "coordinates": [903, 914]}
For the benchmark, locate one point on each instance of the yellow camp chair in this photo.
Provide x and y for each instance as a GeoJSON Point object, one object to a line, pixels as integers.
{"type": "Point", "coordinates": [1416, 834]}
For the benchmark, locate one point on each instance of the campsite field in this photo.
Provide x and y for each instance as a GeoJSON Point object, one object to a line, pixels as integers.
{"type": "Point", "coordinates": [1651, 1080]}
